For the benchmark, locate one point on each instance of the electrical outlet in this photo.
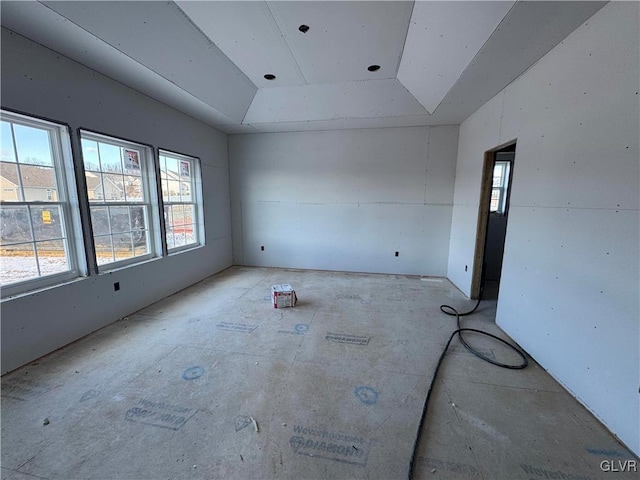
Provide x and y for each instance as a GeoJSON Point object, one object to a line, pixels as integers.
{"type": "Point", "coordinates": [465, 268]}
{"type": "Point", "coordinates": [397, 254]}
{"type": "Point", "coordinates": [116, 286]}
{"type": "Point", "coordinates": [262, 248]}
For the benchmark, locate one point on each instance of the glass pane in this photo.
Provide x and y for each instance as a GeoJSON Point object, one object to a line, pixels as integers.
{"type": "Point", "coordinates": [122, 246]}
{"type": "Point", "coordinates": [7, 154]}
{"type": "Point", "coordinates": [15, 225]}
{"type": "Point", "coordinates": [138, 221]}
{"type": "Point", "coordinates": [165, 187]}
{"type": "Point", "coordinates": [183, 217]}
{"type": "Point", "coordinates": [139, 232]}
{"type": "Point", "coordinates": [133, 189]}
{"type": "Point", "coordinates": [39, 183]}
{"type": "Point", "coordinates": [52, 256]}
{"type": "Point", "coordinates": [90, 155]}
{"type": "Point", "coordinates": [104, 251]}
{"type": "Point", "coordinates": [180, 225]}
{"type": "Point", "coordinates": [185, 192]}
{"type": "Point", "coordinates": [110, 160]}
{"type": "Point", "coordinates": [173, 188]}
{"type": "Point", "coordinates": [113, 187]}
{"type": "Point", "coordinates": [46, 222]}
{"type": "Point", "coordinates": [168, 220]}
{"type": "Point", "coordinates": [177, 217]}
{"type": "Point", "coordinates": [185, 170]}
{"type": "Point", "coordinates": [17, 263]}
{"type": "Point", "coordinates": [33, 145]}
{"type": "Point", "coordinates": [100, 220]}
{"type": "Point", "coordinates": [171, 243]}
{"type": "Point", "coordinates": [190, 234]}
{"type": "Point", "coordinates": [95, 190]}
{"type": "Point", "coordinates": [173, 180]}
{"type": "Point", "coordinates": [497, 174]}
{"type": "Point", "coordinates": [495, 200]}
{"type": "Point", "coordinates": [131, 161]}
{"type": "Point", "coordinates": [140, 242]}
{"type": "Point", "coordinates": [179, 239]}
{"type": "Point", "coordinates": [9, 182]}
{"type": "Point", "coordinates": [119, 219]}
{"type": "Point", "coordinates": [172, 168]}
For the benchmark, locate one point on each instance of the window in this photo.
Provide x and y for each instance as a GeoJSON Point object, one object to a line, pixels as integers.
{"type": "Point", "coordinates": [119, 177]}
{"type": "Point", "coordinates": [38, 218]}
{"type": "Point", "coordinates": [181, 193]}
{"type": "Point", "coordinates": [499, 187]}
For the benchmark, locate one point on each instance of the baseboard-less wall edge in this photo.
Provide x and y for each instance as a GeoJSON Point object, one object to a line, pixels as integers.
{"type": "Point", "coordinates": [26, 337]}
{"type": "Point", "coordinates": [355, 272]}
{"type": "Point", "coordinates": [591, 411]}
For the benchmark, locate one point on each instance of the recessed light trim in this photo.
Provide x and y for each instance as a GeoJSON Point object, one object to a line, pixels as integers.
{"type": "Point", "coordinates": [373, 68]}
{"type": "Point", "coordinates": [270, 76]}
{"type": "Point", "coordinates": [303, 28]}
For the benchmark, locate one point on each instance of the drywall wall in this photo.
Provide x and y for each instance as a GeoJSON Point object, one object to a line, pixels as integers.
{"type": "Point", "coordinates": [344, 200]}
{"type": "Point", "coordinates": [40, 82]}
{"type": "Point", "coordinates": [570, 290]}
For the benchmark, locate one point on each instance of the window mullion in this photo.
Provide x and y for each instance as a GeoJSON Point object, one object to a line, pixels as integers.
{"type": "Point", "coordinates": [35, 204]}
{"type": "Point", "coordinates": [37, 255]}
{"type": "Point", "coordinates": [130, 229]}
{"type": "Point", "coordinates": [173, 225]}
{"type": "Point", "coordinates": [113, 250]}
{"type": "Point", "coordinates": [33, 239]}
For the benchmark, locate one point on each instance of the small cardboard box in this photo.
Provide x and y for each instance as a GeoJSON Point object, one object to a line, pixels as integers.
{"type": "Point", "coordinates": [283, 296]}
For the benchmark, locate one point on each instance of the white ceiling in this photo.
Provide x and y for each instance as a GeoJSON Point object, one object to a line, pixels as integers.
{"type": "Point", "coordinates": [439, 61]}
{"type": "Point", "coordinates": [344, 38]}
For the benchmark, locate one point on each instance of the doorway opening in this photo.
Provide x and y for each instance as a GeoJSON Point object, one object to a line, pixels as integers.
{"type": "Point", "coordinates": [493, 213]}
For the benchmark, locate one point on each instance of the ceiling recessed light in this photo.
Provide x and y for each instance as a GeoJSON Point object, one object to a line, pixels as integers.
{"type": "Point", "coordinates": [303, 28]}
{"type": "Point", "coordinates": [373, 68]}
{"type": "Point", "coordinates": [269, 76]}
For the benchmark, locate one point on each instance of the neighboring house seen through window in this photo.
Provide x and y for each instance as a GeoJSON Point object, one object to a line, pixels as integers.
{"type": "Point", "coordinates": [36, 219]}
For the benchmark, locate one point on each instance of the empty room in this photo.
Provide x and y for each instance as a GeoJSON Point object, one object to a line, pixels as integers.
{"type": "Point", "coordinates": [320, 240]}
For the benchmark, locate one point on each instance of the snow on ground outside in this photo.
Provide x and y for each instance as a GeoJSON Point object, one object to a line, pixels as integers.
{"type": "Point", "coordinates": [16, 268]}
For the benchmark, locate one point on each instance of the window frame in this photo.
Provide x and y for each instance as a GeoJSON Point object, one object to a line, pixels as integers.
{"type": "Point", "coordinates": [196, 200]}
{"type": "Point", "coordinates": [147, 162]}
{"type": "Point", "coordinates": [67, 200]}
{"type": "Point", "coordinates": [502, 188]}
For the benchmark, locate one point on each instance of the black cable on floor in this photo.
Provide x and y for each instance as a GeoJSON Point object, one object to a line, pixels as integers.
{"type": "Point", "coordinates": [449, 310]}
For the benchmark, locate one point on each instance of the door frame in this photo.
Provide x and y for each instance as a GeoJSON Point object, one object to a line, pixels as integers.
{"type": "Point", "coordinates": [483, 216]}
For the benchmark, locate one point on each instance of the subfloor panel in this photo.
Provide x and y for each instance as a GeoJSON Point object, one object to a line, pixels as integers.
{"type": "Point", "coordinates": [213, 382]}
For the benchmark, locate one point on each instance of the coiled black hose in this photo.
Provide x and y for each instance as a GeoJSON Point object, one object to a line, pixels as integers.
{"type": "Point", "coordinates": [449, 310]}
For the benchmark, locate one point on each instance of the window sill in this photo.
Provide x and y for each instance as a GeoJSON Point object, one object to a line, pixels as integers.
{"type": "Point", "coordinates": [63, 282]}
{"type": "Point", "coordinates": [189, 248]}
{"type": "Point", "coordinates": [116, 267]}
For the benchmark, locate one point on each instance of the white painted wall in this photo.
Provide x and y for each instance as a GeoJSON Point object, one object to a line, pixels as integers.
{"type": "Point", "coordinates": [570, 289]}
{"type": "Point", "coordinates": [40, 82]}
{"type": "Point", "coordinates": [344, 200]}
